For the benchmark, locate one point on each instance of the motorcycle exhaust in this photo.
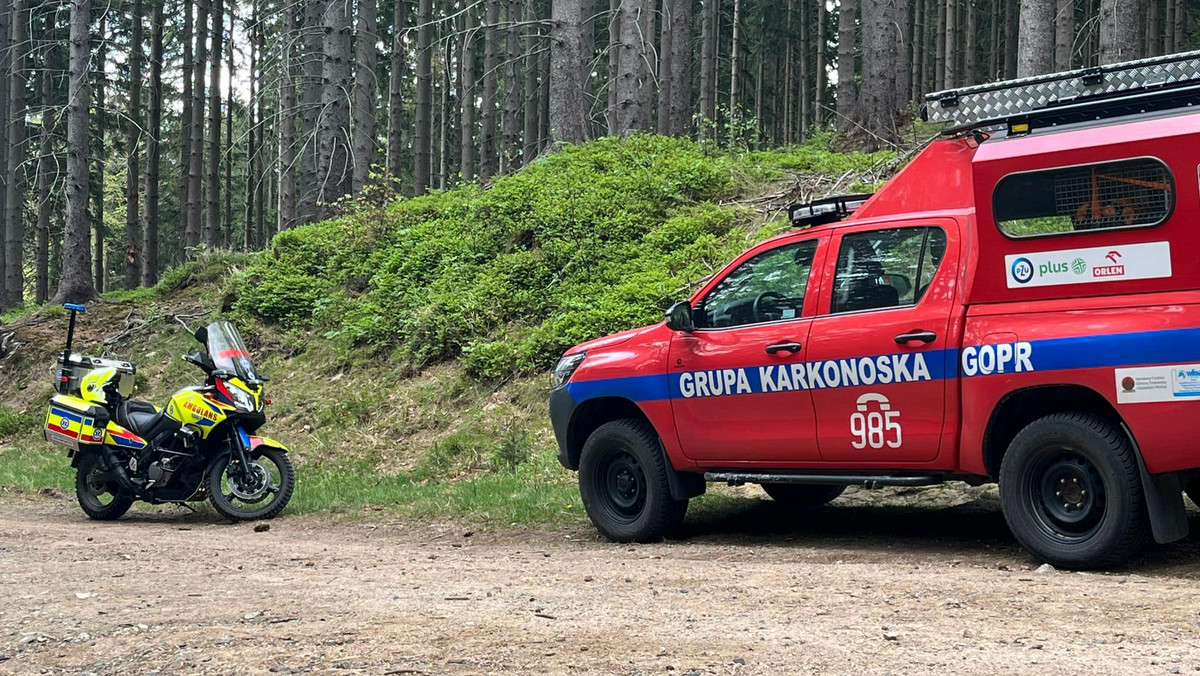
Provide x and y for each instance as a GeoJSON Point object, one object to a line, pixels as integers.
{"type": "Point", "coordinates": [117, 470]}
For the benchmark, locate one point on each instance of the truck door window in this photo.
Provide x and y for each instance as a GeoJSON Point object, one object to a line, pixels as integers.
{"type": "Point", "coordinates": [1110, 195]}
{"type": "Point", "coordinates": [886, 268]}
{"type": "Point", "coordinates": [768, 287]}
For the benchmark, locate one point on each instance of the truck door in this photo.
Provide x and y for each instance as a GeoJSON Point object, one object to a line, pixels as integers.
{"type": "Point", "coordinates": [734, 395]}
{"type": "Point", "coordinates": [881, 347]}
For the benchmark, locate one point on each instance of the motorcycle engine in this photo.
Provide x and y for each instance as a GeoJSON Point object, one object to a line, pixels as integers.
{"type": "Point", "coordinates": [160, 471]}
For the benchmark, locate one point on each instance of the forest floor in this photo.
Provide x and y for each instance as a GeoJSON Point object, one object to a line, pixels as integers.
{"type": "Point", "coordinates": [753, 591]}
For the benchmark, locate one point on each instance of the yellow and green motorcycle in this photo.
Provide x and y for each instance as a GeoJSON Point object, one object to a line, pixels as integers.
{"type": "Point", "coordinates": [200, 446]}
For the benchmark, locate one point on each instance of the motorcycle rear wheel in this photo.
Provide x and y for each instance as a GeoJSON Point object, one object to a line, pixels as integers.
{"type": "Point", "coordinates": [261, 493]}
{"type": "Point", "coordinates": [99, 495]}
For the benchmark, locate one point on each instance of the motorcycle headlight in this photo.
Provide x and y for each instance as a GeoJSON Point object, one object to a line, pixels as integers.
{"type": "Point", "coordinates": [566, 368]}
{"type": "Point", "coordinates": [243, 400]}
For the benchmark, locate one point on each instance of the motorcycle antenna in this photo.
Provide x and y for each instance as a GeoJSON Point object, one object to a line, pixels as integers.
{"type": "Point", "coordinates": [64, 375]}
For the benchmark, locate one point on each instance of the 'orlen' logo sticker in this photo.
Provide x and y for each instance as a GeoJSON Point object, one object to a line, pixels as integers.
{"type": "Point", "coordinates": [1151, 260]}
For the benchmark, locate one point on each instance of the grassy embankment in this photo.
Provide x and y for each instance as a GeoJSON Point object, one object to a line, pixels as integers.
{"type": "Point", "coordinates": [408, 343]}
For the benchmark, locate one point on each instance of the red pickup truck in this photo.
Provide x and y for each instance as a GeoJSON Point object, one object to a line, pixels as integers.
{"type": "Point", "coordinates": [1020, 304]}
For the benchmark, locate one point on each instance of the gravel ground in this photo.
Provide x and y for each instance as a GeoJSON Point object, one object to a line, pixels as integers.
{"type": "Point", "coordinates": [908, 588]}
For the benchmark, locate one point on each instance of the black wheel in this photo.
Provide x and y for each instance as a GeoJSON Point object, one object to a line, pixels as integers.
{"type": "Point", "coordinates": [803, 495]}
{"type": "Point", "coordinates": [1192, 489]}
{"type": "Point", "coordinates": [1071, 492]}
{"type": "Point", "coordinates": [623, 483]}
{"type": "Point", "coordinates": [259, 491]}
{"type": "Point", "coordinates": [100, 496]}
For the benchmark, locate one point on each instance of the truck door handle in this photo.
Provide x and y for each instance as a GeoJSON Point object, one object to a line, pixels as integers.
{"type": "Point", "coordinates": [791, 346]}
{"type": "Point", "coordinates": [916, 334]}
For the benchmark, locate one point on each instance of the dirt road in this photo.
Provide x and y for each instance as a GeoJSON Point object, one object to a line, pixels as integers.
{"type": "Point", "coordinates": [843, 590]}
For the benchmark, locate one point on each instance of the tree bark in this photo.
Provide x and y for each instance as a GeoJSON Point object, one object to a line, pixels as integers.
{"type": "Point", "coordinates": [212, 201]}
{"type": "Point", "coordinates": [253, 144]}
{"type": "Point", "coordinates": [1180, 23]}
{"type": "Point", "coordinates": [879, 100]}
{"type": "Point", "coordinates": [334, 170]}
{"type": "Point", "coordinates": [614, 64]}
{"type": "Point", "coordinates": [952, 48]}
{"type": "Point", "coordinates": [665, 83]}
{"type": "Point", "coordinates": [633, 71]}
{"type": "Point", "coordinates": [424, 138]}
{"type": "Point", "coordinates": [47, 167]}
{"type": "Point", "coordinates": [533, 36]}
{"type": "Point", "coordinates": [708, 67]}
{"type": "Point", "coordinates": [805, 75]}
{"type": "Point", "coordinates": [1154, 33]}
{"type": "Point", "coordinates": [488, 162]}
{"type": "Point", "coordinates": [1035, 51]}
{"type": "Point", "coordinates": [821, 84]}
{"type": "Point", "coordinates": [942, 50]}
{"type": "Point", "coordinates": [1011, 42]}
{"type": "Point", "coordinates": [920, 49]}
{"type": "Point", "coordinates": [133, 139]}
{"type": "Point", "coordinates": [96, 181]}
{"type": "Point", "coordinates": [735, 64]}
{"type": "Point", "coordinates": [366, 58]}
{"type": "Point", "coordinates": [307, 182]}
{"type": "Point", "coordinates": [193, 232]}
{"type": "Point", "coordinates": [287, 121]}
{"type": "Point", "coordinates": [14, 276]}
{"type": "Point", "coordinates": [681, 67]}
{"type": "Point", "coordinates": [969, 45]}
{"type": "Point", "coordinates": [259, 103]}
{"type": "Point", "coordinates": [227, 220]}
{"type": "Point", "coordinates": [76, 285]}
{"type": "Point", "coordinates": [568, 121]}
{"type": "Point", "coordinates": [395, 139]}
{"type": "Point", "coordinates": [510, 153]}
{"type": "Point", "coordinates": [1118, 31]}
{"type": "Point", "coordinates": [846, 92]}
{"type": "Point", "coordinates": [1064, 34]}
{"type": "Point", "coordinates": [153, 148]}
{"type": "Point", "coordinates": [444, 115]}
{"type": "Point", "coordinates": [467, 49]}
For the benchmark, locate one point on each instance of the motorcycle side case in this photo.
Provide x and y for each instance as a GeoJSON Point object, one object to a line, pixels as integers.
{"type": "Point", "coordinates": [74, 423]}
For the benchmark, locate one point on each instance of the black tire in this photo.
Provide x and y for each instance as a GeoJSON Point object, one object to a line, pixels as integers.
{"type": "Point", "coordinates": [260, 497]}
{"type": "Point", "coordinates": [100, 496]}
{"type": "Point", "coordinates": [803, 495]}
{"type": "Point", "coordinates": [623, 483]}
{"type": "Point", "coordinates": [1072, 493]}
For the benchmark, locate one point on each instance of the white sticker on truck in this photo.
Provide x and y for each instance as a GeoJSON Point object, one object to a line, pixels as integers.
{"type": "Point", "coordinates": [1148, 384]}
{"type": "Point", "coordinates": [1086, 266]}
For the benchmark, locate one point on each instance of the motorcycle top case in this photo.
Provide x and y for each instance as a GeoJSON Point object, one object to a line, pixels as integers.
{"type": "Point", "coordinates": [75, 423]}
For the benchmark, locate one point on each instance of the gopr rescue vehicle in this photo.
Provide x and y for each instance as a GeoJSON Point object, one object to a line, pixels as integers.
{"type": "Point", "coordinates": [1020, 304]}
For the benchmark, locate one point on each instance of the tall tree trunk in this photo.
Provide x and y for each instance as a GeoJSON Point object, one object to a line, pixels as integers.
{"type": "Point", "coordinates": [395, 139]}
{"type": "Point", "coordinates": [366, 58]}
{"type": "Point", "coordinates": [681, 67]}
{"type": "Point", "coordinates": [510, 154]}
{"type": "Point", "coordinates": [920, 49]}
{"type": "Point", "coordinates": [259, 103]}
{"type": "Point", "coordinates": [1154, 33]}
{"type": "Point", "coordinates": [805, 75]}
{"type": "Point", "coordinates": [96, 181]}
{"type": "Point", "coordinates": [47, 167]}
{"type": "Point", "coordinates": [735, 64]}
{"type": "Point", "coordinates": [287, 121]}
{"type": "Point", "coordinates": [665, 53]}
{"type": "Point", "coordinates": [942, 53]}
{"type": "Point", "coordinates": [133, 139]}
{"type": "Point", "coordinates": [633, 74]}
{"type": "Point", "coordinates": [1064, 34]}
{"type": "Point", "coordinates": [308, 182]}
{"type": "Point", "coordinates": [488, 162]}
{"type": "Point", "coordinates": [822, 83]}
{"type": "Point", "coordinates": [444, 116]}
{"type": "Point", "coordinates": [614, 64]}
{"type": "Point", "coordinates": [334, 171]}
{"type": "Point", "coordinates": [227, 219]}
{"type": "Point", "coordinates": [1118, 31]}
{"type": "Point", "coordinates": [1180, 23]}
{"type": "Point", "coordinates": [952, 49]}
{"type": "Point", "coordinates": [532, 40]}
{"type": "Point", "coordinates": [424, 137]}
{"type": "Point", "coordinates": [970, 45]}
{"type": "Point", "coordinates": [1035, 51]}
{"type": "Point", "coordinates": [587, 49]}
{"type": "Point", "coordinates": [846, 93]}
{"type": "Point", "coordinates": [194, 234]}
{"type": "Point", "coordinates": [76, 285]}
{"type": "Point", "coordinates": [650, 61]}
{"type": "Point", "coordinates": [1011, 42]}
{"type": "Point", "coordinates": [879, 100]}
{"type": "Point", "coordinates": [14, 276]}
{"type": "Point", "coordinates": [212, 201]}
{"type": "Point", "coordinates": [153, 148]}
{"type": "Point", "coordinates": [544, 97]}
{"type": "Point", "coordinates": [708, 67]}
{"type": "Point", "coordinates": [467, 49]}
{"type": "Point", "coordinates": [6, 54]}
{"type": "Point", "coordinates": [252, 142]}
{"type": "Point", "coordinates": [568, 122]}
{"type": "Point", "coordinates": [185, 124]}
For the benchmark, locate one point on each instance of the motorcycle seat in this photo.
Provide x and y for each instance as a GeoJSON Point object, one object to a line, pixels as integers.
{"type": "Point", "coordinates": [139, 417]}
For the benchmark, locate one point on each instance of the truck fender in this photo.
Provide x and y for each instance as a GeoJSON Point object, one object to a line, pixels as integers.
{"type": "Point", "coordinates": [685, 485]}
{"type": "Point", "coordinates": [1164, 499]}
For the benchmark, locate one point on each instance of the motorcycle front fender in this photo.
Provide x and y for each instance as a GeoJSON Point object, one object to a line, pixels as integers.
{"type": "Point", "coordinates": [258, 442]}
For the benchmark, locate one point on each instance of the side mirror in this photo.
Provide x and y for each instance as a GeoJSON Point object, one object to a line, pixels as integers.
{"type": "Point", "coordinates": [202, 335]}
{"type": "Point", "coordinates": [679, 317]}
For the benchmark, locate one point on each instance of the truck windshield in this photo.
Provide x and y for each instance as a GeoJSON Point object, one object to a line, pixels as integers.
{"type": "Point", "coordinates": [228, 352]}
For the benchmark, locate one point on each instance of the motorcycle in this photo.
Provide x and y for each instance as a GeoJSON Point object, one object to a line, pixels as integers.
{"type": "Point", "coordinates": [200, 446]}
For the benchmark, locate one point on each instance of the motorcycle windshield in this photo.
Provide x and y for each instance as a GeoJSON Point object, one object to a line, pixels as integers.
{"type": "Point", "coordinates": [228, 352]}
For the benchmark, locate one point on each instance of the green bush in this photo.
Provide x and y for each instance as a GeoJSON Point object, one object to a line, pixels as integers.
{"type": "Point", "coordinates": [13, 423]}
{"type": "Point", "coordinates": [586, 241]}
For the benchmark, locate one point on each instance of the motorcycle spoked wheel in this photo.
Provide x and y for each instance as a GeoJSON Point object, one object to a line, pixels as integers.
{"type": "Point", "coordinates": [260, 491]}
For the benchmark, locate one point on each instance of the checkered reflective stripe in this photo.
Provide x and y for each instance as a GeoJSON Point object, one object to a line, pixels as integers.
{"type": "Point", "coordinates": [1015, 97]}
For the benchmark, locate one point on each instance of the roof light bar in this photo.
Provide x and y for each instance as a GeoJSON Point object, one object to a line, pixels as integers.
{"type": "Point", "coordinates": [828, 210]}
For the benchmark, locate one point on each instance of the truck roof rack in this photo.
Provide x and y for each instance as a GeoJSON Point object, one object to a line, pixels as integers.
{"type": "Point", "coordinates": [827, 210]}
{"type": "Point", "coordinates": [1129, 88]}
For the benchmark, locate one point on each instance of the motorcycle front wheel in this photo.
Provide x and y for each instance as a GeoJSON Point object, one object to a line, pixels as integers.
{"type": "Point", "coordinates": [259, 491]}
